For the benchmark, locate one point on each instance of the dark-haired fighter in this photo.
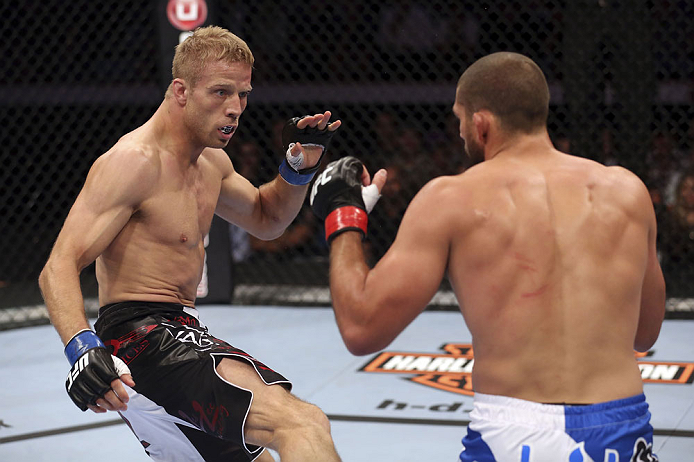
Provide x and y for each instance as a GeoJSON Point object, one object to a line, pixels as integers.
{"type": "Point", "coordinates": [552, 258]}
{"type": "Point", "coordinates": [143, 213]}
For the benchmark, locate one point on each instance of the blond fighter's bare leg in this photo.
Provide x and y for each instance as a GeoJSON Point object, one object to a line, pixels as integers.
{"type": "Point", "coordinates": [278, 420]}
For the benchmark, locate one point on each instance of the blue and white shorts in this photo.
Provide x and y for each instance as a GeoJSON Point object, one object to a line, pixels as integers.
{"type": "Point", "coordinates": [514, 430]}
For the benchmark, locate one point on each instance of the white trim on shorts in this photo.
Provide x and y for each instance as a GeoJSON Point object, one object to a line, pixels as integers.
{"type": "Point", "coordinates": [153, 425]}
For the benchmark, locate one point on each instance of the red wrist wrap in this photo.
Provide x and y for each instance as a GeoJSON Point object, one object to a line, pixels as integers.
{"type": "Point", "coordinates": [345, 217]}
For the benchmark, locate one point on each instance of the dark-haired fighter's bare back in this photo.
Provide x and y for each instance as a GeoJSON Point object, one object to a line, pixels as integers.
{"type": "Point", "coordinates": [549, 256]}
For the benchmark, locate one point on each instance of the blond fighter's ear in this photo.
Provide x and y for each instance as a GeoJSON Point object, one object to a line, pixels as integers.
{"type": "Point", "coordinates": [179, 91]}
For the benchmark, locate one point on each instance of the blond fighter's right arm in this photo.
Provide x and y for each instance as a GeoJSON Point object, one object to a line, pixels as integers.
{"type": "Point", "coordinates": [116, 184]}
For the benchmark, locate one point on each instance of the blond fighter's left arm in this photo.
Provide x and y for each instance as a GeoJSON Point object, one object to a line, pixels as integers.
{"type": "Point", "coordinates": [265, 212]}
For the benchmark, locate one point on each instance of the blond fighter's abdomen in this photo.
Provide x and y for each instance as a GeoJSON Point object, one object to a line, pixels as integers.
{"type": "Point", "coordinates": [139, 266]}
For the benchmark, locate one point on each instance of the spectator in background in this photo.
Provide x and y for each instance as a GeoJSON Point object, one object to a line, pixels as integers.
{"type": "Point", "coordinates": [386, 134]}
{"type": "Point", "coordinates": [414, 158]}
{"type": "Point", "coordinates": [385, 219]}
{"type": "Point", "coordinates": [609, 156]}
{"type": "Point", "coordinates": [606, 157]}
{"type": "Point", "coordinates": [298, 240]}
{"type": "Point", "coordinates": [447, 150]}
{"type": "Point", "coordinates": [246, 161]}
{"type": "Point", "coordinates": [677, 243]}
{"type": "Point", "coordinates": [562, 142]}
{"type": "Point", "coordinates": [664, 164]}
{"type": "Point", "coordinates": [682, 160]}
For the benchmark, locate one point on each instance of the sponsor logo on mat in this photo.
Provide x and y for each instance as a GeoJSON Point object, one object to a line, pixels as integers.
{"type": "Point", "coordinates": [451, 370]}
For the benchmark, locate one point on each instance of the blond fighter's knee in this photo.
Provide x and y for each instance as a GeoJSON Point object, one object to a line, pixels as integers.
{"type": "Point", "coordinates": [317, 417]}
{"type": "Point", "coordinates": [306, 418]}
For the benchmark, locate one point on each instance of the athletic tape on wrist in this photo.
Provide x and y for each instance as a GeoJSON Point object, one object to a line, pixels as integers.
{"type": "Point", "coordinates": [349, 217]}
{"type": "Point", "coordinates": [295, 162]}
{"type": "Point", "coordinates": [370, 195]}
{"type": "Point", "coordinates": [291, 176]}
{"type": "Point", "coordinates": [80, 343]}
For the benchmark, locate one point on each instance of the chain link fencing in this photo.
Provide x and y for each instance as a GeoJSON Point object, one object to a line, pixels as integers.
{"type": "Point", "coordinates": [78, 75]}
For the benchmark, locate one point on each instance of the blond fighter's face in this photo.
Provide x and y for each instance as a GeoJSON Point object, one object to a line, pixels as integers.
{"type": "Point", "coordinates": [216, 102]}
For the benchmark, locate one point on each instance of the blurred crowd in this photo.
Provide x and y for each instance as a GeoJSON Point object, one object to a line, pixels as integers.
{"type": "Point", "coordinates": [607, 89]}
{"type": "Point", "coordinates": [670, 179]}
{"type": "Point", "coordinates": [413, 156]}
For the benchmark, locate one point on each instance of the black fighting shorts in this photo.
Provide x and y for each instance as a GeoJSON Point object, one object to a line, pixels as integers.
{"type": "Point", "coordinates": [180, 408]}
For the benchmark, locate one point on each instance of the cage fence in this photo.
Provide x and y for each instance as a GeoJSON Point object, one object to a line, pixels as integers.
{"type": "Point", "coordinates": [80, 74]}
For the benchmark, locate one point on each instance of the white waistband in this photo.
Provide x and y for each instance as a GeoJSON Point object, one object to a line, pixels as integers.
{"type": "Point", "coordinates": [519, 411]}
{"type": "Point", "coordinates": [192, 311]}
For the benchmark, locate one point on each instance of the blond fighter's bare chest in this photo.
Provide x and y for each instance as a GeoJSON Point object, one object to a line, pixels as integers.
{"type": "Point", "coordinates": [180, 211]}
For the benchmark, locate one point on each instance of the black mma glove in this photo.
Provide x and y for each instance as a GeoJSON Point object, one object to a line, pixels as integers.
{"type": "Point", "coordinates": [93, 369]}
{"type": "Point", "coordinates": [339, 198]}
{"type": "Point", "coordinates": [292, 167]}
